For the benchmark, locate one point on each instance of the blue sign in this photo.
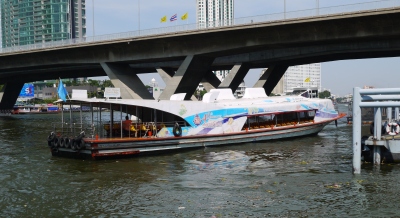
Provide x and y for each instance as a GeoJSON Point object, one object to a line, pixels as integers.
{"type": "Point", "coordinates": [27, 91]}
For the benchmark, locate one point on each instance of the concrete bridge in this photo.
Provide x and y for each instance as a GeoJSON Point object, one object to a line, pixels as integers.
{"type": "Point", "coordinates": [186, 58]}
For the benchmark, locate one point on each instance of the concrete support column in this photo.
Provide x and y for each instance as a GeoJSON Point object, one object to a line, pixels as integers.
{"type": "Point", "coordinates": [166, 75]}
{"type": "Point", "coordinates": [187, 77]}
{"type": "Point", "coordinates": [235, 77]}
{"type": "Point", "coordinates": [271, 77]}
{"type": "Point", "coordinates": [9, 94]}
{"type": "Point", "coordinates": [123, 77]}
{"type": "Point", "coordinates": [210, 81]}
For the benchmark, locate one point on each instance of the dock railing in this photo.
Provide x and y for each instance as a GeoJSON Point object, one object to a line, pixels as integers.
{"type": "Point", "coordinates": [377, 99]}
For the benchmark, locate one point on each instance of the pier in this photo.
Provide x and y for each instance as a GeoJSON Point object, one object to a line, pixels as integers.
{"type": "Point", "coordinates": [377, 99]}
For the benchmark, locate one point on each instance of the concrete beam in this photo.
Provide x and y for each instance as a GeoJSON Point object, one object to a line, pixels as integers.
{"type": "Point", "coordinates": [10, 94]}
{"type": "Point", "coordinates": [122, 76]}
{"type": "Point", "coordinates": [188, 76]}
{"type": "Point", "coordinates": [271, 77]}
{"type": "Point", "coordinates": [235, 77]}
{"type": "Point", "coordinates": [167, 74]}
{"type": "Point", "coordinates": [210, 81]}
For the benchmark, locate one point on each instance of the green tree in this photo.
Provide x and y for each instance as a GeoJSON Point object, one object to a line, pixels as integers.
{"type": "Point", "coordinates": [94, 83]}
{"type": "Point", "coordinates": [68, 83]}
{"type": "Point", "coordinates": [106, 83]}
{"type": "Point", "coordinates": [324, 94]}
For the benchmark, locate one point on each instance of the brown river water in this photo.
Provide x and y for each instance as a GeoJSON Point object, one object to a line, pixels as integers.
{"type": "Point", "coordinates": [300, 177]}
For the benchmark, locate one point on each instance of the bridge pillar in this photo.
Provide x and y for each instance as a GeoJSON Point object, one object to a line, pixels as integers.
{"type": "Point", "coordinates": [9, 94]}
{"type": "Point", "coordinates": [210, 81]}
{"type": "Point", "coordinates": [123, 77]}
{"type": "Point", "coordinates": [271, 77]}
{"type": "Point", "coordinates": [187, 77]}
{"type": "Point", "coordinates": [235, 77]}
{"type": "Point", "coordinates": [166, 75]}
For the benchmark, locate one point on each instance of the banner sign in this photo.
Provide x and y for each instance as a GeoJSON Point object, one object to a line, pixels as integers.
{"type": "Point", "coordinates": [112, 93]}
{"type": "Point", "coordinates": [27, 91]}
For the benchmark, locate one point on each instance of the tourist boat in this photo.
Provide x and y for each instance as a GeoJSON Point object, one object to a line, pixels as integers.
{"type": "Point", "coordinates": [35, 109]}
{"type": "Point", "coordinates": [165, 125]}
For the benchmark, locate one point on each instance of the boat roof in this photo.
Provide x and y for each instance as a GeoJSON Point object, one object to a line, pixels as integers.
{"type": "Point", "coordinates": [217, 99]}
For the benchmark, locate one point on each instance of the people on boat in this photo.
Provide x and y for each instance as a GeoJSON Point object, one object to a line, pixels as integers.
{"type": "Point", "coordinates": [126, 125]}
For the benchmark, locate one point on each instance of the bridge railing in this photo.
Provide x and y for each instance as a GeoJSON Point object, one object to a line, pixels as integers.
{"type": "Point", "coordinates": [315, 12]}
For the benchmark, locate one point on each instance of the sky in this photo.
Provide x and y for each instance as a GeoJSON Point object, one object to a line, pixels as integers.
{"type": "Point", "coordinates": [339, 77]}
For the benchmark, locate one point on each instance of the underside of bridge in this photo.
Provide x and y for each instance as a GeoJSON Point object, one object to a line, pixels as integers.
{"type": "Point", "coordinates": [183, 60]}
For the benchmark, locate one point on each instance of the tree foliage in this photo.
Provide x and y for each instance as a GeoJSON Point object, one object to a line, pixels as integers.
{"type": "Point", "coordinates": [324, 94]}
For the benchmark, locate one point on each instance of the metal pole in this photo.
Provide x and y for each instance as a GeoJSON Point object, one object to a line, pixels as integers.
{"type": "Point", "coordinates": [317, 7]}
{"type": "Point", "coordinates": [356, 131]}
{"type": "Point", "coordinates": [139, 15]}
{"type": "Point", "coordinates": [389, 114]}
{"type": "Point", "coordinates": [99, 118]}
{"type": "Point", "coordinates": [122, 130]}
{"type": "Point", "coordinates": [377, 134]}
{"type": "Point", "coordinates": [93, 16]}
{"type": "Point", "coordinates": [284, 9]}
{"type": "Point", "coordinates": [396, 113]}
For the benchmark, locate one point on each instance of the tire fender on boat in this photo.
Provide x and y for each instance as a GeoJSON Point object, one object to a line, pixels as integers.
{"type": "Point", "coordinates": [79, 144]}
{"type": "Point", "coordinates": [62, 142]}
{"type": "Point", "coordinates": [57, 142]}
{"type": "Point", "coordinates": [392, 128]}
{"type": "Point", "coordinates": [67, 142]}
{"type": "Point", "coordinates": [177, 130]}
{"type": "Point", "coordinates": [51, 137]}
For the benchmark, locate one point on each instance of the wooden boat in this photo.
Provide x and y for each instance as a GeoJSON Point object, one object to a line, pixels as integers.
{"type": "Point", "coordinates": [165, 125]}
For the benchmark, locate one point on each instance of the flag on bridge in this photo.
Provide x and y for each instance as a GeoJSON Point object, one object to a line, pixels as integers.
{"type": "Point", "coordinates": [185, 16]}
{"type": "Point", "coordinates": [173, 18]}
{"type": "Point", "coordinates": [62, 92]}
{"type": "Point", "coordinates": [164, 19]}
{"type": "Point", "coordinates": [307, 80]}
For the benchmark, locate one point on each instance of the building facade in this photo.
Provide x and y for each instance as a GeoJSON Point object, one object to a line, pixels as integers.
{"type": "Point", "coordinates": [214, 13]}
{"type": "Point", "coordinates": [304, 76]}
{"type": "Point", "coordinates": [26, 22]}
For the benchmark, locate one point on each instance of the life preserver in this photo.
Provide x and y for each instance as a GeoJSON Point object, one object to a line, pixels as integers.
{"type": "Point", "coordinates": [177, 130]}
{"type": "Point", "coordinates": [392, 128]}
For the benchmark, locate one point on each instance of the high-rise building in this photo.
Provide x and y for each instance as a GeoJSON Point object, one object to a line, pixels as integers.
{"type": "Point", "coordinates": [301, 76]}
{"type": "Point", "coordinates": [26, 22]}
{"type": "Point", "coordinates": [213, 13]}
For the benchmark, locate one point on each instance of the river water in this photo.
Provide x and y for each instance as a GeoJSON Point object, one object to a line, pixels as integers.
{"type": "Point", "coordinates": [301, 177]}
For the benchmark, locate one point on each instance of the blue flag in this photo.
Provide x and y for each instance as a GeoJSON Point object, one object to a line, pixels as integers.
{"type": "Point", "coordinates": [62, 92]}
